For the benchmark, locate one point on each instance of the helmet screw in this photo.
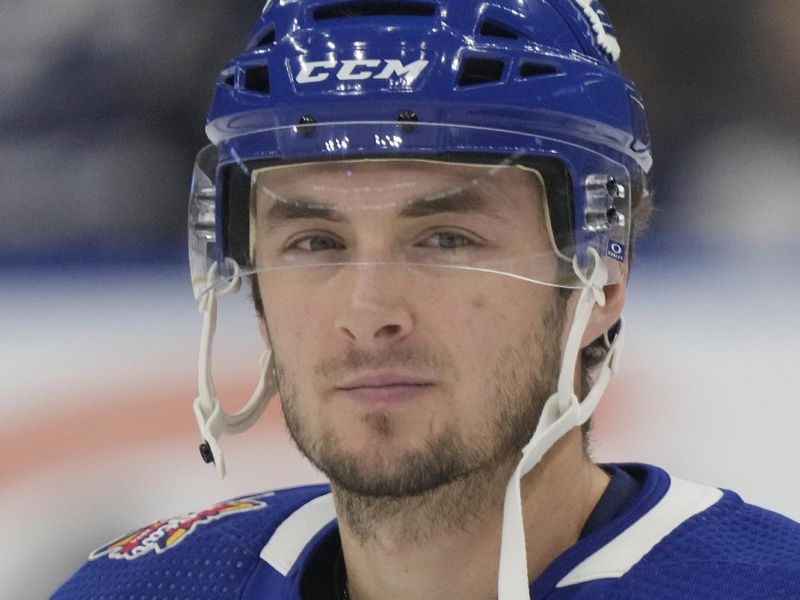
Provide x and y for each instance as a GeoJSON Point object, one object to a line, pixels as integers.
{"type": "Point", "coordinates": [205, 452]}
{"type": "Point", "coordinates": [614, 217]}
{"type": "Point", "coordinates": [614, 189]}
{"type": "Point", "coordinates": [408, 118]}
{"type": "Point", "coordinates": [306, 125]}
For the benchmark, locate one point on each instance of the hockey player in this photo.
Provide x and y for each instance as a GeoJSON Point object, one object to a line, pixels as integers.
{"type": "Point", "coordinates": [434, 203]}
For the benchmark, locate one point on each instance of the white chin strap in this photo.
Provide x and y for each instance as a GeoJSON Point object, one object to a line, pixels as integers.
{"type": "Point", "coordinates": [561, 413]}
{"type": "Point", "coordinates": [213, 421]}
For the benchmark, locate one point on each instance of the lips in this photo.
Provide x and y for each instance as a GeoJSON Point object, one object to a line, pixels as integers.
{"type": "Point", "coordinates": [381, 380]}
{"type": "Point", "coordinates": [385, 387]}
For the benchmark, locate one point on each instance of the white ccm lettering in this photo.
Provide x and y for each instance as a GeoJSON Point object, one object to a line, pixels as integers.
{"type": "Point", "coordinates": [359, 70]}
{"type": "Point", "coordinates": [396, 67]}
{"type": "Point", "coordinates": [348, 66]}
{"type": "Point", "coordinates": [306, 71]}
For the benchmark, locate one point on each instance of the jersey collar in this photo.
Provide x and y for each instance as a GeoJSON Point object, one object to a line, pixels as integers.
{"type": "Point", "coordinates": [663, 504]}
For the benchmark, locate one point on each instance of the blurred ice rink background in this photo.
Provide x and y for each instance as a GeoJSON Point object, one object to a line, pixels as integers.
{"type": "Point", "coordinates": [102, 112]}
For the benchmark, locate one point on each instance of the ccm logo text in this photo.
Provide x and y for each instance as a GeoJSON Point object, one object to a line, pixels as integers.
{"type": "Point", "coordinates": [359, 69]}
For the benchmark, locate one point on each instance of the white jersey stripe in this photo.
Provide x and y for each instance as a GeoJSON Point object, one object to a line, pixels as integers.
{"type": "Point", "coordinates": [682, 501]}
{"type": "Point", "coordinates": [295, 533]}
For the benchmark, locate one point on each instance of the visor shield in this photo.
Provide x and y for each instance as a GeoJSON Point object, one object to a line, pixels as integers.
{"type": "Point", "coordinates": [202, 219]}
{"type": "Point", "coordinates": [439, 203]}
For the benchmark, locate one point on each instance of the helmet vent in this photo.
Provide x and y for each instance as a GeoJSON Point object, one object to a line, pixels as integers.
{"type": "Point", "coordinates": [531, 69]}
{"type": "Point", "coordinates": [477, 71]}
{"type": "Point", "coordinates": [267, 39]}
{"type": "Point", "coordinates": [230, 78]}
{"type": "Point", "coordinates": [374, 9]}
{"type": "Point", "coordinates": [257, 80]}
{"type": "Point", "coordinates": [494, 29]}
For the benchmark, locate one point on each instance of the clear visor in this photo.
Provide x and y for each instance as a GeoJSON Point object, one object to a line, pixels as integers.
{"type": "Point", "coordinates": [528, 208]}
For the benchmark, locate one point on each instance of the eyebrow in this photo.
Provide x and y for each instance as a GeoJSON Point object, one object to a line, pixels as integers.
{"type": "Point", "coordinates": [459, 202]}
{"type": "Point", "coordinates": [301, 209]}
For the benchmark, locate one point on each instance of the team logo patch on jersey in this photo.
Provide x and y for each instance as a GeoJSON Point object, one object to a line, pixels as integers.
{"type": "Point", "coordinates": [603, 31]}
{"type": "Point", "coordinates": [164, 535]}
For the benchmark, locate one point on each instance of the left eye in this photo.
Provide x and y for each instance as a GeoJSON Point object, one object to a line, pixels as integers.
{"type": "Point", "coordinates": [448, 240]}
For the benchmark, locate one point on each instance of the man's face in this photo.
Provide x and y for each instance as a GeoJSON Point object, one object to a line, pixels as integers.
{"type": "Point", "coordinates": [404, 360]}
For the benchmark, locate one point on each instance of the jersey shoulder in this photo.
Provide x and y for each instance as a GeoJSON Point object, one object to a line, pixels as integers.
{"type": "Point", "coordinates": [731, 550]}
{"type": "Point", "coordinates": [683, 540]}
{"type": "Point", "coordinates": [207, 554]}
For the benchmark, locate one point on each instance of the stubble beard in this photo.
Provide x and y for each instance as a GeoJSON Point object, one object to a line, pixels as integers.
{"type": "Point", "coordinates": [454, 479]}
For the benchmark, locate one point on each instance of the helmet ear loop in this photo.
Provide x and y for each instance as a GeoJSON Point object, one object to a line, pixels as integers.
{"type": "Point", "coordinates": [591, 295]}
{"type": "Point", "coordinates": [561, 413]}
{"type": "Point", "coordinates": [212, 420]}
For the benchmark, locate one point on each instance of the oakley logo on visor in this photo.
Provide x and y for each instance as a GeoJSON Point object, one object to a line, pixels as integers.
{"type": "Point", "coordinates": [616, 250]}
{"type": "Point", "coordinates": [359, 70]}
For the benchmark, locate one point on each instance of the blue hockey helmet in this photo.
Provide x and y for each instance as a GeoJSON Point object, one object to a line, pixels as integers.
{"type": "Point", "coordinates": [529, 82]}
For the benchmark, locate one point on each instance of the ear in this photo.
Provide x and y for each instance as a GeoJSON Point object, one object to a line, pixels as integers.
{"type": "Point", "coordinates": [604, 317]}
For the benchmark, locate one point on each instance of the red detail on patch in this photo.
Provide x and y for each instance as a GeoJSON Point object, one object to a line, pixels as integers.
{"type": "Point", "coordinates": [163, 535]}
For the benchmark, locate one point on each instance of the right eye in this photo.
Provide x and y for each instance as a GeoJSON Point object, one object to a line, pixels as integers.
{"type": "Point", "coordinates": [317, 242]}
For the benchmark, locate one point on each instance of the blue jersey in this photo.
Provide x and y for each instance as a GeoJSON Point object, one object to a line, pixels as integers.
{"type": "Point", "coordinates": [673, 539]}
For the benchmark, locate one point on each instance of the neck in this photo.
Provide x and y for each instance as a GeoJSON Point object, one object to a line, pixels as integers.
{"type": "Point", "coordinates": [445, 543]}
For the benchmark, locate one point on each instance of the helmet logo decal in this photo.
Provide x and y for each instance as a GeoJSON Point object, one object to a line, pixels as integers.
{"type": "Point", "coordinates": [359, 70]}
{"type": "Point", "coordinates": [601, 29]}
{"type": "Point", "coordinates": [616, 251]}
{"type": "Point", "coordinates": [164, 535]}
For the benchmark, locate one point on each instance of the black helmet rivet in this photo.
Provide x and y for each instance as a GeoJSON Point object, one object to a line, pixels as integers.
{"type": "Point", "coordinates": [408, 118]}
{"type": "Point", "coordinates": [306, 125]}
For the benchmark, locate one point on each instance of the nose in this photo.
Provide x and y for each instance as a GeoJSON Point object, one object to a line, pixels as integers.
{"type": "Point", "coordinates": [376, 313]}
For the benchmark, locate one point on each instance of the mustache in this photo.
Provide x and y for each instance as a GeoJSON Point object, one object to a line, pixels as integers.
{"type": "Point", "coordinates": [406, 358]}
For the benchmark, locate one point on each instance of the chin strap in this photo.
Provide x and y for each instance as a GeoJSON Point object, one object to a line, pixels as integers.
{"type": "Point", "coordinates": [213, 421]}
{"type": "Point", "coordinates": [561, 413]}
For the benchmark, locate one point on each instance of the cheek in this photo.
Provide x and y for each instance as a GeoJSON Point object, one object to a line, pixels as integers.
{"type": "Point", "coordinates": [292, 332]}
{"type": "Point", "coordinates": [484, 320]}
{"type": "Point", "coordinates": [487, 316]}
{"type": "Point", "coordinates": [478, 303]}
{"type": "Point", "coordinates": [475, 331]}
{"type": "Point", "coordinates": [290, 323]}
{"type": "Point", "coordinates": [484, 326]}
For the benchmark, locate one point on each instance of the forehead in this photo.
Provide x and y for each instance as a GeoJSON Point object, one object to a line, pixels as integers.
{"type": "Point", "coordinates": [374, 183]}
